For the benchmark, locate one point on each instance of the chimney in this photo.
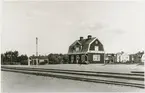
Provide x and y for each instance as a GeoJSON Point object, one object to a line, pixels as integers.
{"type": "Point", "coordinates": [89, 36]}
{"type": "Point", "coordinates": [81, 38]}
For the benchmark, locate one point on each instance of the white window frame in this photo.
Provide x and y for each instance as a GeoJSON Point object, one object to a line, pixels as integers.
{"type": "Point", "coordinates": [96, 57]}
{"type": "Point", "coordinates": [77, 49]}
{"type": "Point", "coordinates": [96, 48]}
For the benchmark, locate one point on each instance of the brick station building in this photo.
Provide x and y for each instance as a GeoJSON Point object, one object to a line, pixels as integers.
{"type": "Point", "coordinates": [89, 50]}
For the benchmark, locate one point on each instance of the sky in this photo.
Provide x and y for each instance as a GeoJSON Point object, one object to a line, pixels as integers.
{"type": "Point", "coordinates": [120, 26]}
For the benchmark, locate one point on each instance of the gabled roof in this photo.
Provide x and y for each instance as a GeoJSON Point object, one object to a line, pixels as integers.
{"type": "Point", "coordinates": [84, 43]}
{"type": "Point", "coordinates": [75, 43]}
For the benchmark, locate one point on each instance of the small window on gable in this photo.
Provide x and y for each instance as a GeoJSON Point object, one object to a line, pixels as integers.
{"type": "Point", "coordinates": [96, 42]}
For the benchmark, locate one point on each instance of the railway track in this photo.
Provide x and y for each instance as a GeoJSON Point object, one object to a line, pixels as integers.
{"type": "Point", "coordinates": [123, 79]}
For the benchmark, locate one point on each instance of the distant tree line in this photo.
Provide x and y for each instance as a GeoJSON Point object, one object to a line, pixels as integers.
{"type": "Point", "coordinates": [13, 58]}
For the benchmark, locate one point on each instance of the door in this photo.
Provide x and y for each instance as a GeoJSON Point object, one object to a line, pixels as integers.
{"type": "Point", "coordinates": [77, 58]}
{"type": "Point", "coordinates": [72, 59]}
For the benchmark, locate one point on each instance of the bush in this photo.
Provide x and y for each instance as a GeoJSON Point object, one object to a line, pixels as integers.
{"type": "Point", "coordinates": [24, 62]}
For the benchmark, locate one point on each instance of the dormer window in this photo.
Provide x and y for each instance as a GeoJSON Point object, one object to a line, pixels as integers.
{"type": "Point", "coordinates": [77, 48]}
{"type": "Point", "coordinates": [96, 48]}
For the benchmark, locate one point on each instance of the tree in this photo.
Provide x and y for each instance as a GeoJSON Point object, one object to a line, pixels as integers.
{"type": "Point", "coordinates": [12, 57]}
{"type": "Point", "coordinates": [60, 58]}
{"type": "Point", "coordinates": [23, 59]}
{"type": "Point", "coordinates": [2, 58]}
{"type": "Point", "coordinates": [56, 58]}
{"type": "Point", "coordinates": [65, 58]}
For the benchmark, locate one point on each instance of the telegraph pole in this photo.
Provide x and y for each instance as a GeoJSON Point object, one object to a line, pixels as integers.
{"type": "Point", "coordinates": [36, 46]}
{"type": "Point", "coordinates": [36, 51]}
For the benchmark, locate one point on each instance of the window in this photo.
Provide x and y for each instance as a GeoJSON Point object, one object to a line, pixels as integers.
{"type": "Point", "coordinates": [77, 48]}
{"type": "Point", "coordinates": [83, 58]}
{"type": "Point", "coordinates": [96, 42]}
{"type": "Point", "coordinates": [77, 57]}
{"type": "Point", "coordinates": [96, 48]}
{"type": "Point", "coordinates": [96, 57]}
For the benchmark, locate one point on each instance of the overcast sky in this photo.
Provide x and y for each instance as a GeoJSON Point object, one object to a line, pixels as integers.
{"type": "Point", "coordinates": [120, 26]}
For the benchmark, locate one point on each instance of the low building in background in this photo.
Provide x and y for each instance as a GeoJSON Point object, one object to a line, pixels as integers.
{"type": "Point", "coordinates": [89, 50]}
{"type": "Point", "coordinates": [110, 58]}
{"type": "Point", "coordinates": [137, 57]}
{"type": "Point", "coordinates": [122, 57]}
{"type": "Point", "coordinates": [132, 58]}
{"type": "Point", "coordinates": [143, 58]}
{"type": "Point", "coordinates": [38, 60]}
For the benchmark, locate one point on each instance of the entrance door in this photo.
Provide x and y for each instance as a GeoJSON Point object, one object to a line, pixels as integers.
{"type": "Point", "coordinates": [72, 59]}
{"type": "Point", "coordinates": [77, 58]}
{"type": "Point", "coordinates": [86, 58]}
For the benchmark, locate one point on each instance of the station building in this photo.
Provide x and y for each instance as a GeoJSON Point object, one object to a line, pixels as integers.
{"type": "Point", "coordinates": [88, 50]}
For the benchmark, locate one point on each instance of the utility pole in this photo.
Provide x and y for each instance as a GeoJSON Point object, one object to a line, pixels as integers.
{"type": "Point", "coordinates": [36, 51]}
{"type": "Point", "coordinates": [36, 46]}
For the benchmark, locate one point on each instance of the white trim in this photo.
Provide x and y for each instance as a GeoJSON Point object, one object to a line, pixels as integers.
{"type": "Point", "coordinates": [79, 42]}
{"type": "Point", "coordinates": [96, 52]}
{"type": "Point", "coordinates": [74, 43]}
{"type": "Point", "coordinates": [88, 52]}
{"type": "Point", "coordinates": [78, 53]}
{"type": "Point", "coordinates": [91, 43]}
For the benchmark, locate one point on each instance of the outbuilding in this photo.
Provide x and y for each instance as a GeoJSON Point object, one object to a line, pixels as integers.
{"type": "Point", "coordinates": [38, 60]}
